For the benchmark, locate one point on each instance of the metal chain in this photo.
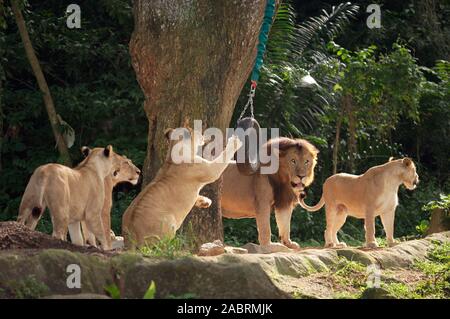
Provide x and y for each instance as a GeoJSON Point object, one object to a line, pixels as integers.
{"type": "Point", "coordinates": [251, 95]}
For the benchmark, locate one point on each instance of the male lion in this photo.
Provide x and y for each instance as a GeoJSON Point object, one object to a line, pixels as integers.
{"type": "Point", "coordinates": [160, 209]}
{"type": "Point", "coordinates": [126, 173]}
{"type": "Point", "coordinates": [70, 194]}
{"type": "Point", "coordinates": [371, 194]}
{"type": "Point", "coordinates": [255, 196]}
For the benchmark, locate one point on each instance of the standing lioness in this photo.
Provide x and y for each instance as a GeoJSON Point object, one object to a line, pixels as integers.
{"type": "Point", "coordinates": [371, 194]}
{"type": "Point", "coordinates": [72, 195]}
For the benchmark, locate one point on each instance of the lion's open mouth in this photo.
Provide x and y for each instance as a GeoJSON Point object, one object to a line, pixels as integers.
{"type": "Point", "coordinates": [297, 185]}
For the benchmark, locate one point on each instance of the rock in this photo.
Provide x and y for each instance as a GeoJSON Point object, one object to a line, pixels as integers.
{"type": "Point", "coordinates": [212, 249]}
{"type": "Point", "coordinates": [231, 275]}
{"type": "Point", "coordinates": [376, 293]}
{"type": "Point", "coordinates": [252, 248]}
{"type": "Point", "coordinates": [77, 296]}
{"type": "Point", "coordinates": [117, 242]}
{"type": "Point", "coordinates": [272, 248]}
{"type": "Point", "coordinates": [356, 255]}
{"type": "Point", "coordinates": [235, 250]}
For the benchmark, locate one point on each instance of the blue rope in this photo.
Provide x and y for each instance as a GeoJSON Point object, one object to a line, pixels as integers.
{"type": "Point", "coordinates": [263, 36]}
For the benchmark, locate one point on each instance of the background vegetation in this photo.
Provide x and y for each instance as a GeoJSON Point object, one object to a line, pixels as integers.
{"type": "Point", "coordinates": [386, 91]}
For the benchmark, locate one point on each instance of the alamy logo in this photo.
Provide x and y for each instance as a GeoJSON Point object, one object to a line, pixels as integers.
{"type": "Point", "coordinates": [74, 19]}
{"type": "Point", "coordinates": [373, 276]}
{"type": "Point", "coordinates": [374, 19]}
{"type": "Point", "coordinates": [189, 148]}
{"type": "Point", "coordinates": [74, 279]}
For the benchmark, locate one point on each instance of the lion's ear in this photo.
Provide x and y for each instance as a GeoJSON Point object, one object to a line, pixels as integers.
{"type": "Point", "coordinates": [391, 158]}
{"type": "Point", "coordinates": [85, 151]}
{"type": "Point", "coordinates": [168, 132]}
{"type": "Point", "coordinates": [407, 161]}
{"type": "Point", "coordinates": [108, 150]}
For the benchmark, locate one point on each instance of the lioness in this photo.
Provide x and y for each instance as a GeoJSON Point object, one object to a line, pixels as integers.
{"type": "Point", "coordinates": [70, 194]}
{"type": "Point", "coordinates": [160, 209]}
{"type": "Point", "coordinates": [126, 173]}
{"type": "Point", "coordinates": [371, 194]}
{"type": "Point", "coordinates": [255, 196]}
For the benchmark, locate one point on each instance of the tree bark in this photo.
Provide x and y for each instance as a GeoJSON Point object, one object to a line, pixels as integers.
{"type": "Point", "coordinates": [192, 59]}
{"type": "Point", "coordinates": [438, 221]}
{"type": "Point", "coordinates": [42, 83]}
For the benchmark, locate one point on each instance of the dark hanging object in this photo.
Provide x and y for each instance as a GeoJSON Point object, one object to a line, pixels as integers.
{"type": "Point", "coordinates": [251, 164]}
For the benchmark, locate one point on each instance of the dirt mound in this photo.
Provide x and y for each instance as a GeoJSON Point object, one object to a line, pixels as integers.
{"type": "Point", "coordinates": [16, 236]}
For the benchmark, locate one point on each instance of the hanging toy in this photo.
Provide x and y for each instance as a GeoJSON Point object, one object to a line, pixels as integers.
{"type": "Point", "coordinates": [251, 162]}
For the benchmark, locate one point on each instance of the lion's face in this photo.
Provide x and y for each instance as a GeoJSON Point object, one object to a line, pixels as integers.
{"type": "Point", "coordinates": [127, 171]}
{"type": "Point", "coordinates": [409, 175]}
{"type": "Point", "coordinates": [298, 163]}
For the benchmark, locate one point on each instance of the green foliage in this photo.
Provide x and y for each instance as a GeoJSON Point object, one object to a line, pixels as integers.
{"type": "Point", "coordinates": [442, 203]}
{"type": "Point", "coordinates": [114, 292]}
{"type": "Point", "coordinates": [93, 86]}
{"type": "Point", "coordinates": [436, 277]}
{"type": "Point", "coordinates": [28, 288]}
{"type": "Point", "coordinates": [350, 273]}
{"type": "Point", "coordinates": [151, 291]}
{"type": "Point", "coordinates": [171, 248]}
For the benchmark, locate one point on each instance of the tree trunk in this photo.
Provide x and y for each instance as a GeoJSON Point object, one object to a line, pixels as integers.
{"type": "Point", "coordinates": [337, 140]}
{"type": "Point", "coordinates": [42, 83]}
{"type": "Point", "coordinates": [438, 221]}
{"type": "Point", "coordinates": [192, 59]}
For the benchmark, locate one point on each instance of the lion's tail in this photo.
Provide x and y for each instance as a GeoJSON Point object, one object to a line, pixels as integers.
{"type": "Point", "coordinates": [32, 205]}
{"type": "Point", "coordinates": [314, 208]}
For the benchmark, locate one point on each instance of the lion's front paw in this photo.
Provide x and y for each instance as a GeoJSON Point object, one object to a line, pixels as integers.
{"type": "Point", "coordinates": [371, 245]}
{"type": "Point", "coordinates": [291, 244]}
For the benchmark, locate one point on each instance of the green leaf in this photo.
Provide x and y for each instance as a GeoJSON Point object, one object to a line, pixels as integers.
{"type": "Point", "coordinates": [150, 293]}
{"type": "Point", "coordinates": [113, 291]}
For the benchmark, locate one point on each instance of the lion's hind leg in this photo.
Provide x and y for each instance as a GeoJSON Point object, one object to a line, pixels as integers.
{"type": "Point", "coordinates": [94, 225]}
{"type": "Point", "coordinates": [331, 211]}
{"type": "Point", "coordinates": [339, 221]}
{"type": "Point", "coordinates": [60, 221]}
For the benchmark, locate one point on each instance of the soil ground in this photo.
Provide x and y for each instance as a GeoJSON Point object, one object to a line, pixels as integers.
{"type": "Point", "coordinates": [15, 236]}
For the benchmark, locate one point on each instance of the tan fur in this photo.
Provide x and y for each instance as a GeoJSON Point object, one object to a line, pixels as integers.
{"type": "Point", "coordinates": [255, 196]}
{"type": "Point", "coordinates": [160, 209]}
{"type": "Point", "coordinates": [366, 196]}
{"type": "Point", "coordinates": [127, 173]}
{"type": "Point", "coordinates": [70, 194]}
